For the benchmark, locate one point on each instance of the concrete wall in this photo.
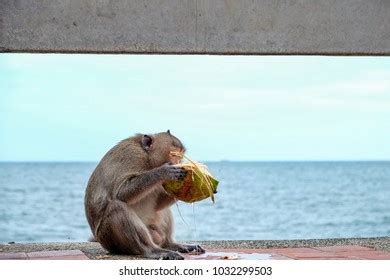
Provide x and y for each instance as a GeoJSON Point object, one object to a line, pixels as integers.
{"type": "Point", "coordinates": [358, 27]}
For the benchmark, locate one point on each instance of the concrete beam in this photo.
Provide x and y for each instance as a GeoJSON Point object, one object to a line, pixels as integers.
{"type": "Point", "coordinates": [330, 27]}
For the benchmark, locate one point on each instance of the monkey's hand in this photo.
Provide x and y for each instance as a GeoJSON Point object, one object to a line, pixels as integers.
{"type": "Point", "coordinates": [135, 188]}
{"type": "Point", "coordinates": [171, 172]}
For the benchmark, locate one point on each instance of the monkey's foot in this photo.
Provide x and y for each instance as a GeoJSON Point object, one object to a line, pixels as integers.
{"type": "Point", "coordinates": [161, 254]}
{"type": "Point", "coordinates": [187, 249]}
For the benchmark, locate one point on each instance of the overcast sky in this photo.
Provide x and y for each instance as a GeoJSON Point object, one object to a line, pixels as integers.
{"type": "Point", "coordinates": [75, 107]}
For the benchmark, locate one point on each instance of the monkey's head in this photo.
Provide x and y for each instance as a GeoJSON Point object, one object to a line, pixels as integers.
{"type": "Point", "coordinates": [159, 147]}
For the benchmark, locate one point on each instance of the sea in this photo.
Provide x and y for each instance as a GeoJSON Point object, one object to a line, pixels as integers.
{"type": "Point", "coordinates": [44, 201]}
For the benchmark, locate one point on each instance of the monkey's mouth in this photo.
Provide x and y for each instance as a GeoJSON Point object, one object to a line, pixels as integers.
{"type": "Point", "coordinates": [176, 156]}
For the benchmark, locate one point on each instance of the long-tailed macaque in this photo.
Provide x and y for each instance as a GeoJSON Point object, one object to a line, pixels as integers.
{"type": "Point", "coordinates": [126, 205]}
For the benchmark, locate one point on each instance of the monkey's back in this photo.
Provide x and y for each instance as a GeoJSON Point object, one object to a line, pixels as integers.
{"type": "Point", "coordinates": [121, 162]}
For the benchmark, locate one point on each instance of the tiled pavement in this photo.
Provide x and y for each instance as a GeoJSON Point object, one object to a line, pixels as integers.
{"type": "Point", "coordinates": [313, 253]}
{"type": "Point", "coordinates": [347, 252]}
{"type": "Point", "coordinates": [46, 255]}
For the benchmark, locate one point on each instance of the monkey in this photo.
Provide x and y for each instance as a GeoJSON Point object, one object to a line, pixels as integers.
{"type": "Point", "coordinates": [127, 207]}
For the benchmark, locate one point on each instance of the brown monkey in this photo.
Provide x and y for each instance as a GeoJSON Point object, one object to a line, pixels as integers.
{"type": "Point", "coordinates": [126, 205]}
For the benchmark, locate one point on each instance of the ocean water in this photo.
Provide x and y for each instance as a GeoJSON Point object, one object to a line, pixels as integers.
{"type": "Point", "coordinates": [256, 200]}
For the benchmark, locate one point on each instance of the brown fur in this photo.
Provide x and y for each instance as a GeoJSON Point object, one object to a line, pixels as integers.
{"type": "Point", "coordinates": [126, 206]}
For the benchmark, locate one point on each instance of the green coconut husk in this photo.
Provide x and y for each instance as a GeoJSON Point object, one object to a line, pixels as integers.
{"type": "Point", "coordinates": [198, 184]}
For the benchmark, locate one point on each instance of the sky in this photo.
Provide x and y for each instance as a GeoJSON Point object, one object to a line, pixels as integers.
{"type": "Point", "coordinates": [69, 107]}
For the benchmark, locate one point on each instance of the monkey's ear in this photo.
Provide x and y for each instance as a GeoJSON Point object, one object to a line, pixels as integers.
{"type": "Point", "coordinates": [169, 132]}
{"type": "Point", "coordinates": [147, 142]}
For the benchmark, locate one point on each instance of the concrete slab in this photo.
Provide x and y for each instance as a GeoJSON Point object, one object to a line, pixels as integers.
{"type": "Point", "coordinates": [330, 27]}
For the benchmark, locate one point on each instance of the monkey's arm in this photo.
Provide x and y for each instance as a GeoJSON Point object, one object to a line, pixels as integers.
{"type": "Point", "coordinates": [137, 187]}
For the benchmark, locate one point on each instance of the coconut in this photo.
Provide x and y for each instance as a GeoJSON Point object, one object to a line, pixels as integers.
{"type": "Point", "coordinates": [197, 185]}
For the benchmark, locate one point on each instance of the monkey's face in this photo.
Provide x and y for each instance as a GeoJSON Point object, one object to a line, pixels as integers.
{"type": "Point", "coordinates": [160, 147]}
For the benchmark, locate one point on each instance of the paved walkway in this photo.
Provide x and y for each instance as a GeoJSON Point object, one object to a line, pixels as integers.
{"type": "Point", "coordinates": [339, 252]}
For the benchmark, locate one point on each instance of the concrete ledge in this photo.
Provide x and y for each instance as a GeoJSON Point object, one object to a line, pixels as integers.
{"type": "Point", "coordinates": [94, 251]}
{"type": "Point", "coordinates": [329, 27]}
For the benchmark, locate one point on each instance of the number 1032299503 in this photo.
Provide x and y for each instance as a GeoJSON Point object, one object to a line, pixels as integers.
{"type": "Point", "coordinates": [242, 270]}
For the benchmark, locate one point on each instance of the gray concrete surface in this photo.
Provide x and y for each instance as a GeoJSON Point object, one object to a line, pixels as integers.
{"type": "Point", "coordinates": [94, 251]}
{"type": "Point", "coordinates": [334, 27]}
